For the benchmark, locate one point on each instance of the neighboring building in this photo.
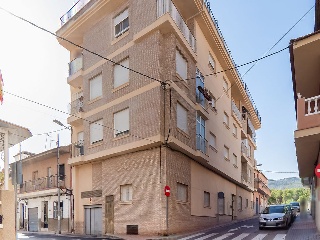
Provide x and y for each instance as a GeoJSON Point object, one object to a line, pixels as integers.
{"type": "Point", "coordinates": [305, 62]}
{"type": "Point", "coordinates": [261, 191]}
{"type": "Point", "coordinates": [38, 194]}
{"type": "Point", "coordinates": [132, 135]}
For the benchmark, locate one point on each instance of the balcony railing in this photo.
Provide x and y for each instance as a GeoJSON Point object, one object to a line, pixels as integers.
{"type": "Point", "coordinates": [75, 65]}
{"type": "Point", "coordinates": [252, 130]}
{"type": "Point", "coordinates": [236, 110]}
{"type": "Point", "coordinates": [215, 22]}
{"type": "Point", "coordinates": [76, 106]}
{"type": "Point", "coordinates": [202, 144]}
{"type": "Point", "coordinates": [244, 149]}
{"type": "Point", "coordinates": [78, 148]}
{"type": "Point", "coordinates": [201, 100]}
{"type": "Point", "coordinates": [73, 11]}
{"type": "Point", "coordinates": [40, 184]}
{"type": "Point", "coordinates": [166, 6]}
{"type": "Point", "coordinates": [312, 105]}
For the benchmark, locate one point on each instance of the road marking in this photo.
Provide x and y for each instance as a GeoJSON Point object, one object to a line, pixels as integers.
{"type": "Point", "coordinates": [259, 237]}
{"type": "Point", "coordinates": [280, 237]}
{"type": "Point", "coordinates": [223, 236]}
{"type": "Point", "coordinates": [241, 236]}
{"type": "Point", "coordinates": [192, 236]}
{"type": "Point", "coordinates": [207, 236]}
{"type": "Point", "coordinates": [234, 229]}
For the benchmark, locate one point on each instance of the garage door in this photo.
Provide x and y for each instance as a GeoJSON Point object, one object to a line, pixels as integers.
{"type": "Point", "coordinates": [93, 220]}
{"type": "Point", "coordinates": [33, 219]}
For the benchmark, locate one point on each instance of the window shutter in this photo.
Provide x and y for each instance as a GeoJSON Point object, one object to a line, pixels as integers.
{"type": "Point", "coordinates": [181, 65]}
{"type": "Point", "coordinates": [122, 16]}
{"type": "Point", "coordinates": [212, 140]}
{"type": "Point", "coordinates": [96, 87]}
{"type": "Point", "coordinates": [182, 118]}
{"type": "Point", "coordinates": [96, 131]}
{"type": "Point", "coordinates": [121, 74]}
{"type": "Point", "coordinates": [121, 122]}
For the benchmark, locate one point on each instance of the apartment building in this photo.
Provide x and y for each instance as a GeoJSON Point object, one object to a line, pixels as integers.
{"type": "Point", "coordinates": [261, 191]}
{"type": "Point", "coordinates": [152, 107]}
{"type": "Point", "coordinates": [304, 57]}
{"type": "Point", "coordinates": [37, 195]}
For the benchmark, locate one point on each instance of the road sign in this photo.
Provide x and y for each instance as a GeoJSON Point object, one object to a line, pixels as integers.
{"type": "Point", "coordinates": [167, 191]}
{"type": "Point", "coordinates": [317, 170]}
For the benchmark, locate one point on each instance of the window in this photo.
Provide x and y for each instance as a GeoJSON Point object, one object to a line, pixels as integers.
{"type": "Point", "coordinates": [211, 61]}
{"type": "Point", "coordinates": [121, 74]}
{"type": "Point", "coordinates": [249, 175]}
{"type": "Point", "coordinates": [121, 122]}
{"type": "Point", "coordinates": [226, 152]}
{"type": "Point", "coordinates": [121, 23]}
{"type": "Point", "coordinates": [181, 65]}
{"type": "Point", "coordinates": [240, 204]}
{"type": "Point", "coordinates": [212, 140]}
{"type": "Point", "coordinates": [96, 87]}
{"type": "Point", "coordinates": [226, 119]}
{"type": "Point", "coordinates": [201, 131]}
{"type": "Point", "coordinates": [55, 209]}
{"type": "Point", "coordinates": [61, 172]}
{"type": "Point", "coordinates": [126, 193]}
{"type": "Point", "coordinates": [235, 160]}
{"type": "Point", "coordinates": [225, 85]}
{"type": "Point", "coordinates": [206, 199]}
{"type": "Point", "coordinates": [235, 130]}
{"type": "Point", "coordinates": [182, 118]}
{"type": "Point", "coordinates": [34, 175]}
{"type": "Point", "coordinates": [249, 150]}
{"type": "Point", "coordinates": [182, 192]}
{"type": "Point", "coordinates": [247, 203]}
{"type": "Point", "coordinates": [200, 84]}
{"type": "Point", "coordinates": [96, 131]}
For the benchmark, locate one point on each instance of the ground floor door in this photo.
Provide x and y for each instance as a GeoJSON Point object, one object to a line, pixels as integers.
{"type": "Point", "coordinates": [257, 206]}
{"type": "Point", "coordinates": [233, 202]}
{"type": "Point", "coordinates": [21, 216]}
{"type": "Point", "coordinates": [93, 220]}
{"type": "Point", "coordinates": [33, 219]}
{"type": "Point", "coordinates": [109, 215]}
{"type": "Point", "coordinates": [45, 214]}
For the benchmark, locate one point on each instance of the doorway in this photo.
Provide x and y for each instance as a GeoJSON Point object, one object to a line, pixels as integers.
{"type": "Point", "coordinates": [93, 220]}
{"type": "Point", "coordinates": [109, 214]}
{"type": "Point", "coordinates": [257, 206]}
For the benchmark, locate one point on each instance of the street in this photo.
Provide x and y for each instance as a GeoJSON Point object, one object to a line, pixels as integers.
{"type": "Point", "coordinates": [42, 236]}
{"type": "Point", "coordinates": [240, 231]}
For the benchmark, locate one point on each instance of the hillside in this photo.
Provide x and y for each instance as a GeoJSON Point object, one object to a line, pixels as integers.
{"type": "Point", "coordinates": [285, 183]}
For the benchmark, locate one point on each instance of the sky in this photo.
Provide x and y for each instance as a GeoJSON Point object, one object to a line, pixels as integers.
{"type": "Point", "coordinates": [35, 66]}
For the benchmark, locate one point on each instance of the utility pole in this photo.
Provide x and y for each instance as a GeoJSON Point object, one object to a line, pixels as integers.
{"type": "Point", "coordinates": [58, 185]}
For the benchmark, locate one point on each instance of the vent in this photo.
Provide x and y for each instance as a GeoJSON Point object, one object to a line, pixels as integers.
{"type": "Point", "coordinates": [91, 194]}
{"type": "Point", "coordinates": [132, 229]}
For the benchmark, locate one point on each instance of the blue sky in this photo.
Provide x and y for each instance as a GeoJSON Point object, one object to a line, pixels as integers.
{"type": "Point", "coordinates": [32, 62]}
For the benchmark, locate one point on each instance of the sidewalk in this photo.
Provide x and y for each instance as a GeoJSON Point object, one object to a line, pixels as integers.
{"type": "Point", "coordinates": [303, 228]}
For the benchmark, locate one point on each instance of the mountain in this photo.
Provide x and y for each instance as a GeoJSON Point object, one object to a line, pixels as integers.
{"type": "Point", "coordinates": [285, 183]}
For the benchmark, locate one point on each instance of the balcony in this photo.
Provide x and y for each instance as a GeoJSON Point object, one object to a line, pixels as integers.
{"type": "Point", "coordinates": [73, 11]}
{"type": "Point", "coordinates": [76, 110]}
{"type": "Point", "coordinates": [42, 184]}
{"type": "Point", "coordinates": [166, 6]}
{"type": "Point", "coordinates": [236, 111]}
{"type": "Point", "coordinates": [202, 144]}
{"type": "Point", "coordinates": [75, 72]}
{"type": "Point", "coordinates": [251, 131]}
{"type": "Point", "coordinates": [244, 151]}
{"type": "Point", "coordinates": [78, 149]}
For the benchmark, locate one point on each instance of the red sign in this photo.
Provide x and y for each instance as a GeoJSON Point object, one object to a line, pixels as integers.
{"type": "Point", "coordinates": [167, 191]}
{"type": "Point", "coordinates": [317, 170]}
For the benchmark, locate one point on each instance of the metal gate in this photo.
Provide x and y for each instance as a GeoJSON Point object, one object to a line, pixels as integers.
{"type": "Point", "coordinates": [93, 220]}
{"type": "Point", "coordinates": [33, 219]}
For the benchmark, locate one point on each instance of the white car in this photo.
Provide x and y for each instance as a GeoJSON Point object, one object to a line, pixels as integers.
{"type": "Point", "coordinates": [275, 216]}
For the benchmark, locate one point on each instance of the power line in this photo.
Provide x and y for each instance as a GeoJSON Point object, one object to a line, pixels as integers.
{"type": "Point", "coordinates": [279, 40]}
{"type": "Point", "coordinates": [79, 46]}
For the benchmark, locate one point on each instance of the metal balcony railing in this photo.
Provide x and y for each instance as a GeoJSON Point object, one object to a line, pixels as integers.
{"type": "Point", "coordinates": [244, 149]}
{"type": "Point", "coordinates": [76, 105]}
{"type": "Point", "coordinates": [73, 11]}
{"type": "Point", "coordinates": [167, 6]}
{"type": "Point", "coordinates": [252, 130]}
{"type": "Point", "coordinates": [202, 144]}
{"type": "Point", "coordinates": [78, 148]}
{"type": "Point", "coordinates": [44, 183]}
{"type": "Point", "coordinates": [236, 110]}
{"type": "Point", "coordinates": [75, 65]}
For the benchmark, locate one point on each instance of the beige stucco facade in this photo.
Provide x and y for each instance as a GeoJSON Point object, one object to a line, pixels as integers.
{"type": "Point", "coordinates": [155, 152]}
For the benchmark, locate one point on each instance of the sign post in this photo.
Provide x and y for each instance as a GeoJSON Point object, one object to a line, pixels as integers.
{"type": "Point", "coordinates": [167, 193]}
{"type": "Point", "coordinates": [317, 170]}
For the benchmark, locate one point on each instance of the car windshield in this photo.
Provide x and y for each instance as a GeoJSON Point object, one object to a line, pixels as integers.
{"type": "Point", "coordinates": [273, 209]}
{"type": "Point", "coordinates": [295, 204]}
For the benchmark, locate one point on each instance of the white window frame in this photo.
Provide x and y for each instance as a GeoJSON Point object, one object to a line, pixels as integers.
{"type": "Point", "coordinates": [120, 73]}
{"type": "Point", "coordinates": [235, 159]}
{"type": "Point", "coordinates": [124, 127]}
{"type": "Point", "coordinates": [226, 153]}
{"type": "Point", "coordinates": [235, 130]}
{"type": "Point", "coordinates": [96, 131]}
{"type": "Point", "coordinates": [126, 192]}
{"type": "Point", "coordinates": [181, 65]}
{"type": "Point", "coordinates": [213, 143]}
{"type": "Point", "coordinates": [95, 85]}
{"type": "Point", "coordinates": [182, 192]}
{"type": "Point", "coordinates": [182, 114]}
{"type": "Point", "coordinates": [226, 119]}
{"type": "Point", "coordinates": [120, 20]}
{"type": "Point", "coordinates": [206, 199]}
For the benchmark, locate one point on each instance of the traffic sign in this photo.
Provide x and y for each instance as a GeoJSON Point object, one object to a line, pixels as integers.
{"type": "Point", "coordinates": [317, 170]}
{"type": "Point", "coordinates": [167, 191]}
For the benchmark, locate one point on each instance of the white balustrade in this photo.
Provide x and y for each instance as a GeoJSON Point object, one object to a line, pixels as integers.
{"type": "Point", "coordinates": [312, 105]}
